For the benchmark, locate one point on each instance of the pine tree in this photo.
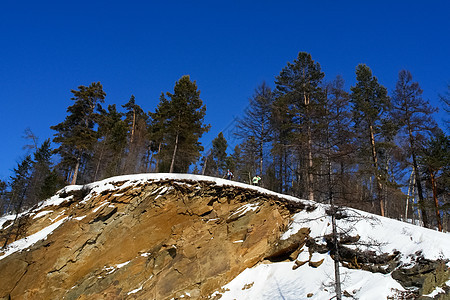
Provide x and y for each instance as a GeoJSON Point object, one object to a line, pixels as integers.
{"type": "Point", "coordinates": [41, 172]}
{"type": "Point", "coordinates": [219, 154]}
{"type": "Point", "coordinates": [51, 183]}
{"type": "Point", "coordinates": [414, 115]}
{"type": "Point", "coordinates": [370, 105]}
{"type": "Point", "coordinates": [20, 184]}
{"type": "Point", "coordinates": [132, 114]}
{"type": "Point", "coordinates": [138, 143]}
{"type": "Point", "coordinates": [157, 131]}
{"type": "Point", "coordinates": [109, 150]}
{"type": "Point", "coordinates": [182, 115]}
{"type": "Point", "coordinates": [76, 134]}
{"type": "Point", "coordinates": [17, 196]}
{"type": "Point", "coordinates": [299, 83]}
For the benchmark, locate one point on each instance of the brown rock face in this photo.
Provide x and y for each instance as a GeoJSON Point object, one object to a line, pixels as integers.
{"type": "Point", "coordinates": [158, 240]}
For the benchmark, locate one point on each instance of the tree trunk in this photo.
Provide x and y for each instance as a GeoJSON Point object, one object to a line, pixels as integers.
{"type": "Point", "coordinates": [133, 125]}
{"type": "Point", "coordinates": [436, 203]}
{"type": "Point", "coordinates": [310, 175]}
{"type": "Point", "coordinates": [411, 185]}
{"type": "Point", "coordinates": [174, 154]}
{"type": "Point", "coordinates": [99, 161]}
{"type": "Point", "coordinates": [418, 181]}
{"type": "Point", "coordinates": [337, 275]}
{"type": "Point", "coordinates": [261, 161]}
{"type": "Point", "coordinates": [75, 172]}
{"type": "Point", "coordinates": [204, 165]}
{"type": "Point", "coordinates": [158, 158]}
{"type": "Point", "coordinates": [375, 166]}
{"type": "Point", "coordinates": [261, 150]}
{"type": "Point", "coordinates": [310, 168]}
{"type": "Point", "coordinates": [280, 169]}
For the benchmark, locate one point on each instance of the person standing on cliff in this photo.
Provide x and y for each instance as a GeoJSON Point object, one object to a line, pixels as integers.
{"type": "Point", "coordinates": [256, 180]}
{"type": "Point", "coordinates": [229, 175]}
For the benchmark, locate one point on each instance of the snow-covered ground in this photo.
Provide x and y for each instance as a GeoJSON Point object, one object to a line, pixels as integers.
{"type": "Point", "coordinates": [279, 280]}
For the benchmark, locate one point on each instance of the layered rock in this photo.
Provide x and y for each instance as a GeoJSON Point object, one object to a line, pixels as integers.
{"type": "Point", "coordinates": [157, 239]}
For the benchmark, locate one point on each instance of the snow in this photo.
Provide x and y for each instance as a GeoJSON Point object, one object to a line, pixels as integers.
{"type": "Point", "coordinates": [28, 241]}
{"type": "Point", "coordinates": [279, 281]}
{"type": "Point", "coordinates": [112, 269]}
{"type": "Point", "coordinates": [244, 209]}
{"type": "Point", "coordinates": [58, 216]}
{"type": "Point", "coordinates": [304, 255]}
{"type": "Point", "coordinates": [135, 290]}
{"type": "Point", "coordinates": [98, 207]}
{"type": "Point", "coordinates": [109, 270]}
{"type": "Point", "coordinates": [42, 213]}
{"type": "Point", "coordinates": [408, 238]}
{"type": "Point", "coordinates": [316, 220]}
{"type": "Point", "coordinates": [436, 292]}
{"type": "Point", "coordinates": [56, 199]}
{"type": "Point", "coordinates": [6, 218]}
{"type": "Point", "coordinates": [371, 228]}
{"type": "Point", "coordinates": [123, 264]}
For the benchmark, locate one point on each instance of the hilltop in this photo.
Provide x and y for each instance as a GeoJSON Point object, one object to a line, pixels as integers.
{"type": "Point", "coordinates": [173, 236]}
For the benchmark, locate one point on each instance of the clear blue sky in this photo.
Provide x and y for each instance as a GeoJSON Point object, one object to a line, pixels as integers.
{"type": "Point", "coordinates": [228, 47]}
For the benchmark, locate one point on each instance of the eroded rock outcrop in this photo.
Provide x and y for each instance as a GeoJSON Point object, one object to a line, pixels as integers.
{"type": "Point", "coordinates": [166, 239]}
{"type": "Point", "coordinates": [157, 240]}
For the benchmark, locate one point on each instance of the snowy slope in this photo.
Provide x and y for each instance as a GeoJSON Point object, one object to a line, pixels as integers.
{"type": "Point", "coordinates": [279, 280]}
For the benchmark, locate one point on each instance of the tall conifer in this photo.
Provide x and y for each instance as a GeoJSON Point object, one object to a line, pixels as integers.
{"type": "Point", "coordinates": [137, 122]}
{"type": "Point", "coordinates": [76, 135]}
{"type": "Point", "coordinates": [40, 175]}
{"type": "Point", "coordinates": [219, 154]}
{"type": "Point", "coordinates": [112, 131]}
{"type": "Point", "coordinates": [299, 83]}
{"type": "Point", "coordinates": [182, 114]}
{"type": "Point", "coordinates": [370, 106]}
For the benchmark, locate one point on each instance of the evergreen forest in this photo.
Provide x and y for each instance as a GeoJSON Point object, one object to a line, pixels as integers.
{"type": "Point", "coordinates": [368, 148]}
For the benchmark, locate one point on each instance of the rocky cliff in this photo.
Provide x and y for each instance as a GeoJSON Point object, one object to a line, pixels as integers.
{"type": "Point", "coordinates": [173, 237]}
